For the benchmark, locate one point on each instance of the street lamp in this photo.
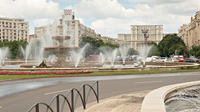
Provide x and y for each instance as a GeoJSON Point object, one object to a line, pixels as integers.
{"type": "Point", "coordinates": [146, 35]}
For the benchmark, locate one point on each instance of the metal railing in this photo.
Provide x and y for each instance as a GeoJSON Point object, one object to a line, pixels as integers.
{"type": "Point", "coordinates": [59, 107]}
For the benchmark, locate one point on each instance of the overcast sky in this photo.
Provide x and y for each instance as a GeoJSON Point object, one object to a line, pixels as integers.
{"type": "Point", "coordinates": [107, 17]}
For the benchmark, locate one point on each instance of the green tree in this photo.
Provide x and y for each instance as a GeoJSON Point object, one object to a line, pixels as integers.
{"type": "Point", "coordinates": [132, 52]}
{"type": "Point", "coordinates": [170, 44]}
{"type": "Point", "coordinates": [95, 44]}
{"type": "Point", "coordinates": [195, 51]}
{"type": "Point", "coordinates": [154, 51]}
{"type": "Point", "coordinates": [14, 47]}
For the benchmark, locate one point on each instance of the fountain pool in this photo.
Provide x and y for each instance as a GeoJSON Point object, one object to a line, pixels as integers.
{"type": "Point", "coordinates": [184, 100]}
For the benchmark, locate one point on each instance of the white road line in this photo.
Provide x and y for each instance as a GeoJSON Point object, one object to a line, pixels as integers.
{"type": "Point", "coordinates": [56, 92]}
{"type": "Point", "coordinates": [149, 82]}
{"type": "Point", "coordinates": [0, 107]}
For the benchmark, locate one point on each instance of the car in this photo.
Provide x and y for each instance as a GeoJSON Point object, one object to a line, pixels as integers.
{"type": "Point", "coordinates": [181, 60]}
{"type": "Point", "coordinates": [164, 59]}
{"type": "Point", "coordinates": [190, 60]}
{"type": "Point", "coordinates": [149, 59]}
{"type": "Point", "coordinates": [174, 60]}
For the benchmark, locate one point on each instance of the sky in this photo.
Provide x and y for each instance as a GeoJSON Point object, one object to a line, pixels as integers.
{"type": "Point", "coordinates": [106, 17]}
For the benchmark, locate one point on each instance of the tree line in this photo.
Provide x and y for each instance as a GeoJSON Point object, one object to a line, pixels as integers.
{"type": "Point", "coordinates": [14, 48]}
{"type": "Point", "coordinates": [171, 44]}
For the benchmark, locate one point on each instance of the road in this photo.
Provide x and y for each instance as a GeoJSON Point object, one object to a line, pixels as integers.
{"type": "Point", "coordinates": [18, 96]}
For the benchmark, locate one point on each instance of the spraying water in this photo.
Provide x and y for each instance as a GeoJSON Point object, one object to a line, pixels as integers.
{"type": "Point", "coordinates": [143, 52]}
{"type": "Point", "coordinates": [76, 56]}
{"type": "Point", "coordinates": [52, 58]}
{"type": "Point", "coordinates": [113, 56]}
{"type": "Point", "coordinates": [109, 54]}
{"type": "Point", "coordinates": [35, 50]}
{"type": "Point", "coordinates": [22, 51]}
{"type": "Point", "coordinates": [102, 58]}
{"type": "Point", "coordinates": [124, 51]}
{"type": "Point", "coordinates": [3, 54]}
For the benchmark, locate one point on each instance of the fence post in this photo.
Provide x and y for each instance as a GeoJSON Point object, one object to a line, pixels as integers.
{"type": "Point", "coordinates": [84, 97]}
{"type": "Point", "coordinates": [37, 108]}
{"type": "Point", "coordinates": [72, 100]}
{"type": "Point", "coordinates": [98, 91]}
{"type": "Point", "coordinates": [58, 103]}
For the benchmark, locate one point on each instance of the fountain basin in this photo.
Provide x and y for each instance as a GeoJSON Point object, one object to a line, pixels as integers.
{"type": "Point", "coordinates": [93, 66]}
{"type": "Point", "coordinates": [155, 100]}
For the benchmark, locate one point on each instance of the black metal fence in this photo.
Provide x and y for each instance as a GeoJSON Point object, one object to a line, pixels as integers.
{"type": "Point", "coordinates": [82, 94]}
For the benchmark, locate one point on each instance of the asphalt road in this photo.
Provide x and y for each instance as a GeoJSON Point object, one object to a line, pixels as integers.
{"type": "Point", "coordinates": [18, 96]}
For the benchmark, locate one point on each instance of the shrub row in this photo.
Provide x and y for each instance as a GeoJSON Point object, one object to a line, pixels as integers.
{"type": "Point", "coordinates": [43, 73]}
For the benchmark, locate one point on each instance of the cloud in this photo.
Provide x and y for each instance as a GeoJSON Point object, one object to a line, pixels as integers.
{"type": "Point", "coordinates": [112, 26]}
{"type": "Point", "coordinates": [162, 1]}
{"type": "Point", "coordinates": [31, 9]}
{"type": "Point", "coordinates": [37, 12]}
{"type": "Point", "coordinates": [97, 9]}
{"type": "Point", "coordinates": [110, 17]}
{"type": "Point", "coordinates": [42, 21]}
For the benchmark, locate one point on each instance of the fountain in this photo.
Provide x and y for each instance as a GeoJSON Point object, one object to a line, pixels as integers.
{"type": "Point", "coordinates": [184, 100]}
{"type": "Point", "coordinates": [144, 49]}
{"type": "Point", "coordinates": [60, 50]}
{"type": "Point", "coordinates": [124, 51]}
{"type": "Point", "coordinates": [3, 55]}
{"type": "Point", "coordinates": [52, 59]}
{"type": "Point", "coordinates": [102, 57]}
{"type": "Point", "coordinates": [108, 54]}
{"type": "Point", "coordinates": [33, 51]}
{"type": "Point", "coordinates": [143, 53]}
{"type": "Point", "coordinates": [77, 55]}
{"type": "Point", "coordinates": [57, 47]}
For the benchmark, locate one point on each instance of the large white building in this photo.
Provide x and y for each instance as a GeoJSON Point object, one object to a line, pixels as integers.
{"type": "Point", "coordinates": [136, 38]}
{"type": "Point", "coordinates": [190, 33]}
{"type": "Point", "coordinates": [67, 26]}
{"type": "Point", "coordinates": [13, 29]}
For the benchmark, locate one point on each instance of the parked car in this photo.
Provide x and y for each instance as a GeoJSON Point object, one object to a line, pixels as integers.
{"type": "Point", "coordinates": [174, 60]}
{"type": "Point", "coordinates": [190, 60]}
{"type": "Point", "coordinates": [149, 59]}
{"type": "Point", "coordinates": [163, 59]}
{"type": "Point", "coordinates": [181, 60]}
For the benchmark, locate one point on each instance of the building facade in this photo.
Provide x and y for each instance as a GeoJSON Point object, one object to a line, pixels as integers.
{"type": "Point", "coordinates": [136, 38]}
{"type": "Point", "coordinates": [13, 29]}
{"type": "Point", "coordinates": [66, 26]}
{"type": "Point", "coordinates": [190, 33]}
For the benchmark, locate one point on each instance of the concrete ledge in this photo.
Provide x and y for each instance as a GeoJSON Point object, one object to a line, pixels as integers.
{"type": "Point", "coordinates": [96, 69]}
{"type": "Point", "coordinates": [154, 101]}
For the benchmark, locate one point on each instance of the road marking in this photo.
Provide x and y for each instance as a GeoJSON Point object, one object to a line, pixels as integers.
{"type": "Point", "coordinates": [0, 107]}
{"type": "Point", "coordinates": [57, 92]}
{"type": "Point", "coordinates": [149, 82]}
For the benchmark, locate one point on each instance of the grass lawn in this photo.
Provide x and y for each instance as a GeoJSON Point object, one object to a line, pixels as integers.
{"type": "Point", "coordinates": [17, 77]}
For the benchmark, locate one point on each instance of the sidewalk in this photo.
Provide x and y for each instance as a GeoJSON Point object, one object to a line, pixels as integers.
{"type": "Point", "coordinates": [122, 103]}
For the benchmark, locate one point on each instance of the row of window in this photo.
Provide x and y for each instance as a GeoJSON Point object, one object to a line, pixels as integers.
{"type": "Point", "coordinates": [12, 25]}
{"type": "Point", "coordinates": [11, 38]}
{"type": "Point", "coordinates": [19, 31]}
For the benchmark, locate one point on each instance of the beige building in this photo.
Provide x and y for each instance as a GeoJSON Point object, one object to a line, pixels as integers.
{"type": "Point", "coordinates": [67, 25]}
{"type": "Point", "coordinates": [136, 38]}
{"type": "Point", "coordinates": [190, 33]}
{"type": "Point", "coordinates": [13, 29]}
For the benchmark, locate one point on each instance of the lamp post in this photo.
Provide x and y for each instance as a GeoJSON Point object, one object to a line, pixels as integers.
{"type": "Point", "coordinates": [146, 35]}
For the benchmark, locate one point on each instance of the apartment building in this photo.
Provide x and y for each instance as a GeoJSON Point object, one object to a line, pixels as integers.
{"type": "Point", "coordinates": [190, 33]}
{"type": "Point", "coordinates": [67, 26]}
{"type": "Point", "coordinates": [13, 29]}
